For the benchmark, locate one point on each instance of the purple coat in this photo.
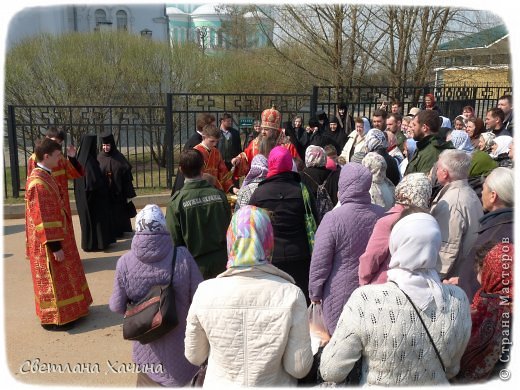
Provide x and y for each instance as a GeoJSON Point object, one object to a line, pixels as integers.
{"type": "Point", "coordinates": [340, 240]}
{"type": "Point", "coordinates": [373, 264]}
{"type": "Point", "coordinates": [148, 263]}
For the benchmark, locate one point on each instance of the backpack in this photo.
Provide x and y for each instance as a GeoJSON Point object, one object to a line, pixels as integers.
{"type": "Point", "coordinates": [323, 202]}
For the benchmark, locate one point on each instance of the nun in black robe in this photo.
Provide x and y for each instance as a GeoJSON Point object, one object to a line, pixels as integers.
{"type": "Point", "coordinates": [118, 171]}
{"type": "Point", "coordinates": [92, 199]}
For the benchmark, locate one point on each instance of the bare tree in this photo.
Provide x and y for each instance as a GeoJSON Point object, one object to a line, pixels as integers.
{"type": "Point", "coordinates": [237, 31]}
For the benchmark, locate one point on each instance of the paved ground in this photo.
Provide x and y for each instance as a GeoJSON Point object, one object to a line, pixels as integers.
{"type": "Point", "coordinates": [95, 344]}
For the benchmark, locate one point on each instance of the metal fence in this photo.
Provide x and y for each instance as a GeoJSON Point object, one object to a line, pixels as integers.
{"type": "Point", "coordinates": [151, 137]}
{"type": "Point", "coordinates": [363, 101]}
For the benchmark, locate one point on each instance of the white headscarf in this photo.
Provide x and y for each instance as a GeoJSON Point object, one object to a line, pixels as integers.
{"type": "Point", "coordinates": [445, 122]}
{"type": "Point", "coordinates": [503, 144]}
{"type": "Point", "coordinates": [366, 125]}
{"type": "Point", "coordinates": [415, 242]}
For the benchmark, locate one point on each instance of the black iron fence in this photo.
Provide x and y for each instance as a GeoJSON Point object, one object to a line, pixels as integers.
{"type": "Point", "coordinates": [151, 137]}
{"type": "Point", "coordinates": [363, 101]}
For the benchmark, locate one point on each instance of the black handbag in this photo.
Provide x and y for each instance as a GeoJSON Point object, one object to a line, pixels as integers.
{"type": "Point", "coordinates": [154, 315]}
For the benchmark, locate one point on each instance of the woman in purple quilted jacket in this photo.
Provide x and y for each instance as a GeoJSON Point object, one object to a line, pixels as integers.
{"type": "Point", "coordinates": [148, 263]}
{"type": "Point", "coordinates": [340, 240]}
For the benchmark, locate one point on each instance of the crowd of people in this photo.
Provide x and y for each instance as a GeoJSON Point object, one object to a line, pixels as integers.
{"type": "Point", "coordinates": [399, 228]}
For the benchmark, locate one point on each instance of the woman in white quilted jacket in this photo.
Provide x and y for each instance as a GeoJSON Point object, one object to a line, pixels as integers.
{"type": "Point", "coordinates": [250, 322]}
{"type": "Point", "coordinates": [380, 324]}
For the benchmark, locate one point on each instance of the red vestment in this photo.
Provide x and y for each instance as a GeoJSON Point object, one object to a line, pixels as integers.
{"type": "Point", "coordinates": [252, 150]}
{"type": "Point", "coordinates": [60, 288]}
{"type": "Point", "coordinates": [62, 173]}
{"type": "Point", "coordinates": [214, 165]}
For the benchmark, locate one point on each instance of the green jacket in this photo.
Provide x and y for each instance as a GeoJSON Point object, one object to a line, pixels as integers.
{"type": "Point", "coordinates": [481, 164]}
{"type": "Point", "coordinates": [198, 216]}
{"type": "Point", "coordinates": [427, 154]}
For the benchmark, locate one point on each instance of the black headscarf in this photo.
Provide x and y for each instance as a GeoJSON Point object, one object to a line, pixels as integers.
{"type": "Point", "coordinates": [113, 162]}
{"type": "Point", "coordinates": [87, 156]}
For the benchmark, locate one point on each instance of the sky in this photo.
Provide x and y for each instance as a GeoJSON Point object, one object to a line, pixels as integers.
{"type": "Point", "coordinates": [508, 11]}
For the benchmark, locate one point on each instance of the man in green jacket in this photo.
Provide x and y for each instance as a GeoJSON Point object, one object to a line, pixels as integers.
{"type": "Point", "coordinates": [198, 216]}
{"type": "Point", "coordinates": [425, 126]}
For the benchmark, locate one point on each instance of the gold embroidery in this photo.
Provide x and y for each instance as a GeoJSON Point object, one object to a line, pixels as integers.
{"type": "Point", "coordinates": [59, 173]}
{"type": "Point", "coordinates": [48, 225]}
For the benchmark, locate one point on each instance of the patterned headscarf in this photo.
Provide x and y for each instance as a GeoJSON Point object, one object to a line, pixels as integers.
{"type": "Point", "coordinates": [377, 166]}
{"type": "Point", "coordinates": [315, 156]}
{"type": "Point", "coordinates": [279, 161]}
{"type": "Point", "coordinates": [489, 139]}
{"type": "Point", "coordinates": [258, 169]}
{"type": "Point", "coordinates": [250, 239]}
{"type": "Point", "coordinates": [491, 304]}
{"type": "Point", "coordinates": [150, 220]}
{"type": "Point", "coordinates": [460, 139]}
{"type": "Point", "coordinates": [415, 189]}
{"type": "Point", "coordinates": [375, 139]}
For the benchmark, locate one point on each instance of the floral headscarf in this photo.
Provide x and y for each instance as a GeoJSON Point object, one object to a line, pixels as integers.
{"type": "Point", "coordinates": [491, 305]}
{"type": "Point", "coordinates": [489, 139]}
{"type": "Point", "coordinates": [315, 156]}
{"type": "Point", "coordinates": [377, 166]}
{"type": "Point", "coordinates": [250, 239]}
{"type": "Point", "coordinates": [414, 189]}
{"type": "Point", "coordinates": [258, 169]}
{"type": "Point", "coordinates": [375, 139]}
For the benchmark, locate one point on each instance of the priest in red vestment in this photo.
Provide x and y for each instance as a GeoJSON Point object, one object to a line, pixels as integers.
{"type": "Point", "coordinates": [270, 127]}
{"type": "Point", "coordinates": [60, 286]}
{"type": "Point", "coordinates": [67, 169]}
{"type": "Point", "coordinates": [214, 164]}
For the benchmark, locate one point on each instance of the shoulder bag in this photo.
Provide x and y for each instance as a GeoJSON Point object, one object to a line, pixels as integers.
{"type": "Point", "coordinates": [154, 315]}
{"type": "Point", "coordinates": [310, 222]}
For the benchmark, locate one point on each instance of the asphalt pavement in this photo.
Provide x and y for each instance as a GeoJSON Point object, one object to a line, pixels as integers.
{"type": "Point", "coordinates": [93, 353]}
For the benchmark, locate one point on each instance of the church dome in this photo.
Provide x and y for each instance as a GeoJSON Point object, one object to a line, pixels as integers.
{"type": "Point", "coordinates": [174, 11]}
{"type": "Point", "coordinates": [206, 9]}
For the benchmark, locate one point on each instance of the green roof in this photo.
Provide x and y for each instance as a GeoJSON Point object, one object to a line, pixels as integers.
{"type": "Point", "coordinates": [482, 38]}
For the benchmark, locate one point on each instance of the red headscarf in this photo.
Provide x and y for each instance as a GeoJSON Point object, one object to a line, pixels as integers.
{"type": "Point", "coordinates": [491, 311]}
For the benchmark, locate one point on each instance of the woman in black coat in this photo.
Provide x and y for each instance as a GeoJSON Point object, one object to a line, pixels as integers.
{"type": "Point", "coordinates": [118, 171]}
{"type": "Point", "coordinates": [316, 173]}
{"type": "Point", "coordinates": [281, 193]}
{"type": "Point", "coordinates": [92, 199]}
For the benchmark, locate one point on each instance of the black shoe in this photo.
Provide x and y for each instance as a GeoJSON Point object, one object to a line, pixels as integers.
{"type": "Point", "coordinates": [58, 328]}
